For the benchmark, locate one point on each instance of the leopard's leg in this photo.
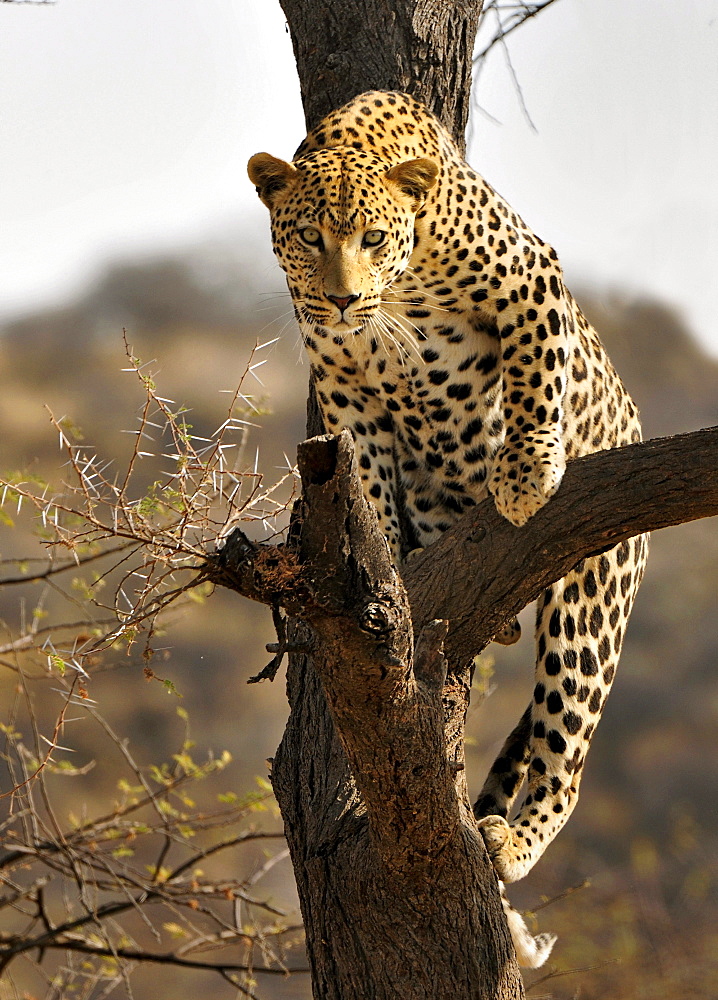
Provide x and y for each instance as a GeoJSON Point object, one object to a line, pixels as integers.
{"type": "Point", "coordinates": [374, 452]}
{"type": "Point", "coordinates": [507, 772]}
{"type": "Point", "coordinates": [580, 627]}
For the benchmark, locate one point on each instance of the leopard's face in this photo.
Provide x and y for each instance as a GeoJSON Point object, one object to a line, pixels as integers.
{"type": "Point", "coordinates": [343, 227]}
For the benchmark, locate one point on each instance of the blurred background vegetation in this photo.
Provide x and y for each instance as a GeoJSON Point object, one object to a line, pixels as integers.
{"type": "Point", "coordinates": [645, 834]}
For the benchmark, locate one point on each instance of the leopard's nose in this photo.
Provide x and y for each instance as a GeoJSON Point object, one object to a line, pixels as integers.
{"type": "Point", "coordinates": [342, 302]}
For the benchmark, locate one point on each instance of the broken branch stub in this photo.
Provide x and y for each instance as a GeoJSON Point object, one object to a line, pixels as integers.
{"type": "Point", "coordinates": [389, 720]}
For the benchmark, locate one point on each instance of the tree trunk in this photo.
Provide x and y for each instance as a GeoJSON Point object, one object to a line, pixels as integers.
{"type": "Point", "coordinates": [398, 897]}
{"type": "Point", "coordinates": [421, 47]}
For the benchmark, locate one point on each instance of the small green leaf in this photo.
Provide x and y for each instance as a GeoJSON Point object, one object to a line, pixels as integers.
{"type": "Point", "coordinates": [58, 663]}
{"type": "Point", "coordinates": [171, 689]}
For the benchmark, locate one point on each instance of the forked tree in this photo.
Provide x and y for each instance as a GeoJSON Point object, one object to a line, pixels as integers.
{"type": "Point", "coordinates": [398, 896]}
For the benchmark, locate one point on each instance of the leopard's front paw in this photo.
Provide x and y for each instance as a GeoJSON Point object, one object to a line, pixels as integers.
{"type": "Point", "coordinates": [509, 854]}
{"type": "Point", "coordinates": [525, 478]}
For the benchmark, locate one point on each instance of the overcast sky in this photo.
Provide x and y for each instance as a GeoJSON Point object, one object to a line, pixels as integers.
{"type": "Point", "coordinates": [126, 126]}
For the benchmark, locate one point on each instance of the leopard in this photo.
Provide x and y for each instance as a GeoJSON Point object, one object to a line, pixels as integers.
{"type": "Point", "coordinates": [441, 334]}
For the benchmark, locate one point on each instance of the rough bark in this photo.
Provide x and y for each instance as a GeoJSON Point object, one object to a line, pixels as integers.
{"type": "Point", "coordinates": [484, 570]}
{"type": "Point", "coordinates": [422, 47]}
{"type": "Point", "coordinates": [397, 893]}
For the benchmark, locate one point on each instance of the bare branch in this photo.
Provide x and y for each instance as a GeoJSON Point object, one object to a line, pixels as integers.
{"type": "Point", "coordinates": [484, 571]}
{"type": "Point", "coordinates": [52, 568]}
{"type": "Point", "coordinates": [168, 958]}
{"type": "Point", "coordinates": [509, 17]}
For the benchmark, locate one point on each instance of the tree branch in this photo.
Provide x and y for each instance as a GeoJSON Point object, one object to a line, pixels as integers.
{"type": "Point", "coordinates": [484, 570]}
{"type": "Point", "coordinates": [509, 18]}
{"type": "Point", "coordinates": [163, 958]}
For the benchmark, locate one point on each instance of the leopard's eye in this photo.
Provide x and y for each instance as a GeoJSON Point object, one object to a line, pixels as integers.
{"type": "Point", "coordinates": [311, 236]}
{"type": "Point", "coordinates": [374, 238]}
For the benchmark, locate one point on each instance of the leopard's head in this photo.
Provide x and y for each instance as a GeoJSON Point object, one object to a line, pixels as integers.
{"type": "Point", "coordinates": [343, 229]}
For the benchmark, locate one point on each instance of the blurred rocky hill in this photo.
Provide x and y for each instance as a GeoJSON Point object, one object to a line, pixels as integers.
{"type": "Point", "coordinates": [645, 830]}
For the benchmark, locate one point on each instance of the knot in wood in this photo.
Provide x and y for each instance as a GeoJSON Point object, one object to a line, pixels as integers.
{"type": "Point", "coordinates": [376, 620]}
{"type": "Point", "coordinates": [338, 63]}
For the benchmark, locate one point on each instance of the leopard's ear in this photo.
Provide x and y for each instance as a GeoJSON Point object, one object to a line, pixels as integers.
{"type": "Point", "coordinates": [270, 176]}
{"type": "Point", "coordinates": [414, 178]}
